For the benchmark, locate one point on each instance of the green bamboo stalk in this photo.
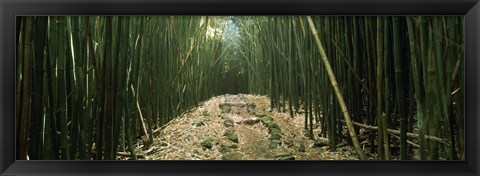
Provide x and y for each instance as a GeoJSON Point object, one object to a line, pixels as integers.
{"type": "Point", "coordinates": [36, 117]}
{"type": "Point", "coordinates": [418, 89]}
{"type": "Point", "coordinates": [126, 106]}
{"type": "Point", "coordinates": [380, 118]}
{"type": "Point", "coordinates": [91, 90]}
{"type": "Point", "coordinates": [51, 86]}
{"type": "Point", "coordinates": [19, 67]}
{"type": "Point", "coordinates": [440, 76]}
{"type": "Point", "coordinates": [62, 92]}
{"type": "Point", "coordinates": [109, 104]}
{"type": "Point", "coordinates": [291, 87]}
{"type": "Point", "coordinates": [79, 45]}
{"type": "Point", "coordinates": [118, 82]}
{"type": "Point", "coordinates": [460, 100]}
{"type": "Point", "coordinates": [24, 120]}
{"type": "Point", "coordinates": [96, 93]}
{"type": "Point", "coordinates": [432, 97]}
{"type": "Point", "coordinates": [328, 91]}
{"type": "Point", "coordinates": [400, 87]}
{"type": "Point", "coordinates": [423, 53]}
{"type": "Point", "coordinates": [388, 87]}
{"type": "Point", "coordinates": [72, 89]}
{"type": "Point", "coordinates": [46, 141]}
{"type": "Point", "coordinates": [449, 84]}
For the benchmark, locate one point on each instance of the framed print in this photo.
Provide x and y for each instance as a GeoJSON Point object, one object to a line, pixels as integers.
{"type": "Point", "coordinates": [239, 87]}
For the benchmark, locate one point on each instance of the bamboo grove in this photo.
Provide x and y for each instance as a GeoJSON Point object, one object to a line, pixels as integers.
{"type": "Point", "coordinates": [402, 73]}
{"type": "Point", "coordinates": [88, 87]}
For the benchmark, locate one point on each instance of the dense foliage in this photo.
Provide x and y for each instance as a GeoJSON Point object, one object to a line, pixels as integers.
{"type": "Point", "coordinates": [90, 86]}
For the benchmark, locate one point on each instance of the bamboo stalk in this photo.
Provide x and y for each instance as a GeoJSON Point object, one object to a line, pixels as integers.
{"type": "Point", "coordinates": [397, 54]}
{"type": "Point", "coordinates": [38, 87]}
{"type": "Point", "coordinates": [62, 92]}
{"type": "Point", "coordinates": [418, 89]}
{"type": "Point", "coordinates": [24, 120]}
{"type": "Point", "coordinates": [382, 143]}
{"type": "Point", "coordinates": [109, 114]}
{"type": "Point", "coordinates": [424, 60]}
{"type": "Point", "coordinates": [397, 132]}
{"type": "Point", "coordinates": [140, 113]}
{"type": "Point", "coordinates": [389, 85]}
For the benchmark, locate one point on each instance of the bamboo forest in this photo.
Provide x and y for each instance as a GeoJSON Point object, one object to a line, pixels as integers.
{"type": "Point", "coordinates": [240, 88]}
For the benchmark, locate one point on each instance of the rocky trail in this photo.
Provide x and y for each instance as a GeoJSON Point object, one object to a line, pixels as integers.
{"type": "Point", "coordinates": [239, 127]}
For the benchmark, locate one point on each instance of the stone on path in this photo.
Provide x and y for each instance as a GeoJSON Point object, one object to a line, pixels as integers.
{"type": "Point", "coordinates": [233, 137]}
{"type": "Point", "coordinates": [205, 113]}
{"type": "Point", "coordinates": [225, 107]}
{"type": "Point", "coordinates": [275, 136]}
{"type": "Point", "coordinates": [251, 108]}
{"type": "Point", "coordinates": [224, 150]}
{"type": "Point", "coordinates": [229, 131]}
{"type": "Point", "coordinates": [275, 143]}
{"type": "Point", "coordinates": [266, 120]}
{"type": "Point", "coordinates": [320, 143]}
{"type": "Point", "coordinates": [207, 143]}
{"type": "Point", "coordinates": [228, 122]}
{"type": "Point", "coordinates": [251, 121]}
{"type": "Point", "coordinates": [301, 148]}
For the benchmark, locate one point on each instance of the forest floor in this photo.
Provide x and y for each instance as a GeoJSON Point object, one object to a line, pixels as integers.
{"type": "Point", "coordinates": [239, 127]}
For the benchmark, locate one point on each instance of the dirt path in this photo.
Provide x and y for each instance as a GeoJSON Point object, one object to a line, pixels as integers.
{"type": "Point", "coordinates": [239, 127]}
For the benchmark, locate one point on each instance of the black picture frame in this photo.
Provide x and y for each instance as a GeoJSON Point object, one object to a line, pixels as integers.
{"type": "Point", "coordinates": [10, 8]}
